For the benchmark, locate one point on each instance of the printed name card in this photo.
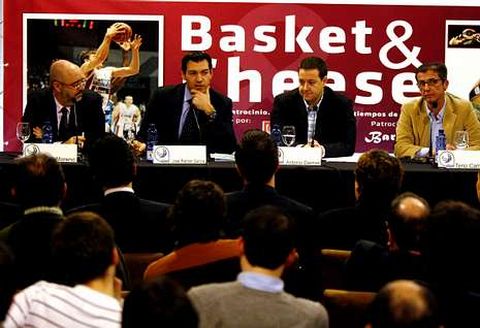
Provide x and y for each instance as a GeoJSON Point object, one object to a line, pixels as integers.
{"type": "Point", "coordinates": [179, 154]}
{"type": "Point", "coordinates": [459, 159]}
{"type": "Point", "coordinates": [63, 153]}
{"type": "Point", "coordinates": [299, 156]}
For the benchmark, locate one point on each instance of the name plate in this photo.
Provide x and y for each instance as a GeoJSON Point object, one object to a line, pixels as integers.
{"type": "Point", "coordinates": [179, 154]}
{"type": "Point", "coordinates": [299, 156]}
{"type": "Point", "coordinates": [63, 153]}
{"type": "Point", "coordinates": [459, 159]}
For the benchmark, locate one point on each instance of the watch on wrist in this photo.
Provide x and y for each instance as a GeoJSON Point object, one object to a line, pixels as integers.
{"type": "Point", "coordinates": [212, 114]}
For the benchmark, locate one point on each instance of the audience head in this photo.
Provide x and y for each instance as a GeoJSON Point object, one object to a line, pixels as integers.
{"type": "Point", "coordinates": [378, 178]}
{"type": "Point", "coordinates": [83, 248]}
{"type": "Point", "coordinates": [67, 82]}
{"type": "Point", "coordinates": [404, 304]}
{"type": "Point", "coordinates": [39, 181]}
{"type": "Point", "coordinates": [268, 237]}
{"type": "Point", "coordinates": [160, 302]}
{"type": "Point", "coordinates": [256, 157]}
{"type": "Point", "coordinates": [7, 280]}
{"type": "Point", "coordinates": [408, 219]}
{"type": "Point", "coordinates": [451, 245]}
{"type": "Point", "coordinates": [198, 213]}
{"type": "Point", "coordinates": [112, 161]}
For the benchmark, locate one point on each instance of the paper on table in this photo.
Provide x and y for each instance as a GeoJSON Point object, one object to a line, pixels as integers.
{"type": "Point", "coordinates": [223, 157]}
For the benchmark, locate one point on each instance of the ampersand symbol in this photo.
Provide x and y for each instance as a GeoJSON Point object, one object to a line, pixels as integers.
{"type": "Point", "coordinates": [398, 42]}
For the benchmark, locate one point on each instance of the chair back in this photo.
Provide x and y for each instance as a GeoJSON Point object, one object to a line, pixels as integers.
{"type": "Point", "coordinates": [347, 308]}
{"type": "Point", "coordinates": [332, 267]}
{"type": "Point", "coordinates": [136, 264]}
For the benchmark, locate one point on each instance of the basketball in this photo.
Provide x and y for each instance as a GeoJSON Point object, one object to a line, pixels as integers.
{"type": "Point", "coordinates": [125, 35]}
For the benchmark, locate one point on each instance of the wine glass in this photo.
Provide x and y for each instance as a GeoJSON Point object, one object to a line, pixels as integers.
{"type": "Point", "coordinates": [288, 135]}
{"type": "Point", "coordinates": [461, 139]}
{"type": "Point", "coordinates": [23, 132]}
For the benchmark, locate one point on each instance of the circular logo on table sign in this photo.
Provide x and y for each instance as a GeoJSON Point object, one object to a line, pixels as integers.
{"type": "Point", "coordinates": [31, 149]}
{"type": "Point", "coordinates": [446, 159]}
{"type": "Point", "coordinates": [161, 154]}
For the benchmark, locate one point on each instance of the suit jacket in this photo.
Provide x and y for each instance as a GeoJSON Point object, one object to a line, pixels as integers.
{"type": "Point", "coordinates": [165, 109]}
{"type": "Point", "coordinates": [140, 225]}
{"type": "Point", "coordinates": [371, 266]}
{"type": "Point", "coordinates": [335, 127]}
{"type": "Point", "coordinates": [413, 127]}
{"type": "Point", "coordinates": [341, 228]}
{"type": "Point", "coordinates": [239, 203]}
{"type": "Point", "coordinates": [89, 115]}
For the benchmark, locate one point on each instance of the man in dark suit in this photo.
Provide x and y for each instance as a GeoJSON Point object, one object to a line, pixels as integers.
{"type": "Point", "coordinates": [39, 189]}
{"type": "Point", "coordinates": [75, 114]}
{"type": "Point", "coordinates": [257, 161]}
{"type": "Point", "coordinates": [378, 179]}
{"type": "Point", "coordinates": [322, 117]}
{"type": "Point", "coordinates": [139, 225]}
{"type": "Point", "coordinates": [192, 112]}
{"type": "Point", "coordinates": [372, 265]}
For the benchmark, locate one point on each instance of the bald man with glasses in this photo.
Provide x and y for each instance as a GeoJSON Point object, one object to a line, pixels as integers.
{"type": "Point", "coordinates": [74, 113]}
{"type": "Point", "coordinates": [422, 119]}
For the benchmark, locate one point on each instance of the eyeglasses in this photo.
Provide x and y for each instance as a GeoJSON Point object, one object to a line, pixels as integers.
{"type": "Point", "coordinates": [429, 82]}
{"type": "Point", "coordinates": [77, 85]}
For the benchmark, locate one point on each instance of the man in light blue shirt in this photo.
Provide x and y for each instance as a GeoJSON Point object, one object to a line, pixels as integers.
{"type": "Point", "coordinates": [257, 298]}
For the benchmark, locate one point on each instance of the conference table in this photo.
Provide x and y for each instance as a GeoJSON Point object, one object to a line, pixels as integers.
{"type": "Point", "coordinates": [330, 185]}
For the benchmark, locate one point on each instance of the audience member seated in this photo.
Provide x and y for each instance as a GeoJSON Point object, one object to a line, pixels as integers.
{"type": "Point", "coordinates": [257, 162]}
{"type": "Point", "coordinates": [256, 159]}
{"type": "Point", "coordinates": [403, 304]}
{"type": "Point", "coordinates": [257, 298]}
{"type": "Point", "coordinates": [139, 225]}
{"type": "Point", "coordinates": [198, 217]}
{"type": "Point", "coordinates": [452, 246]}
{"type": "Point", "coordinates": [160, 302]}
{"type": "Point", "coordinates": [371, 265]}
{"type": "Point", "coordinates": [7, 279]}
{"type": "Point", "coordinates": [39, 187]}
{"type": "Point", "coordinates": [85, 256]}
{"type": "Point", "coordinates": [378, 178]}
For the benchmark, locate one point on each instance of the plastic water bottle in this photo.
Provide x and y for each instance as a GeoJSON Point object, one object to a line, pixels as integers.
{"type": "Point", "coordinates": [440, 143]}
{"type": "Point", "coordinates": [47, 136]}
{"type": "Point", "coordinates": [152, 137]}
{"type": "Point", "coordinates": [276, 134]}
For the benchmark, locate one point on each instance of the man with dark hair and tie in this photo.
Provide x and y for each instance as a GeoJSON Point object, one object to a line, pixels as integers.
{"type": "Point", "coordinates": [191, 113]}
{"type": "Point", "coordinates": [422, 118]}
{"type": "Point", "coordinates": [75, 114]}
{"type": "Point", "coordinates": [322, 118]}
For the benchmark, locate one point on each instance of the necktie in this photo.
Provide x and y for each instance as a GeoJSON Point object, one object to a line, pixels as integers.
{"type": "Point", "coordinates": [63, 128]}
{"type": "Point", "coordinates": [190, 132]}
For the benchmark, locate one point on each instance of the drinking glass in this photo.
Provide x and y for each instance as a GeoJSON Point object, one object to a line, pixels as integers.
{"type": "Point", "coordinates": [288, 135]}
{"type": "Point", "coordinates": [461, 139]}
{"type": "Point", "coordinates": [23, 132]}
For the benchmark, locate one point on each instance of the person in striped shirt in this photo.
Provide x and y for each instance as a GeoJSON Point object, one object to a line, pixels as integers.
{"type": "Point", "coordinates": [85, 258]}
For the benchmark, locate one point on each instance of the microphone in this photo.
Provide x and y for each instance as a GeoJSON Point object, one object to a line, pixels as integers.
{"type": "Point", "coordinates": [75, 122]}
{"type": "Point", "coordinates": [194, 110]}
{"type": "Point", "coordinates": [434, 105]}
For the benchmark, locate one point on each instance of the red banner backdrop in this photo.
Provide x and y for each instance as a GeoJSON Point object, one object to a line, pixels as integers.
{"type": "Point", "coordinates": [371, 51]}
